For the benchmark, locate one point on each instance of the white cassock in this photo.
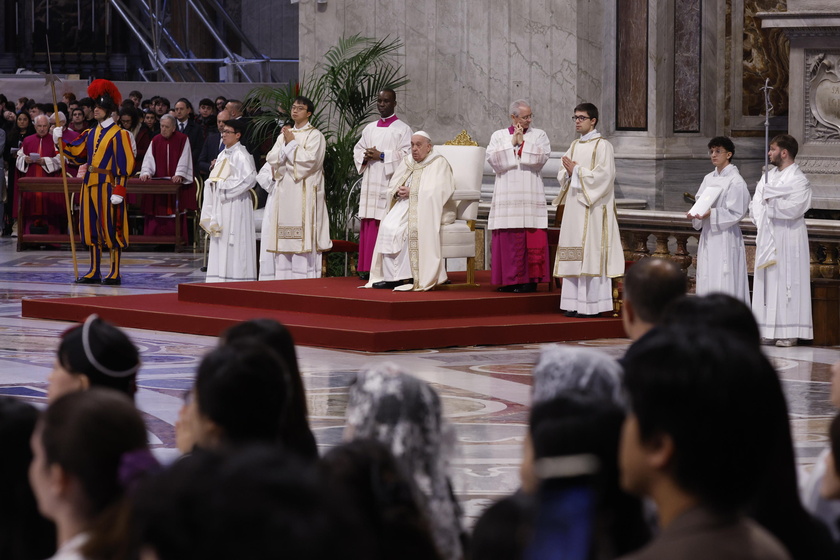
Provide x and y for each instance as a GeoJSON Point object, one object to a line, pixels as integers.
{"type": "Point", "coordinates": [589, 250]}
{"type": "Point", "coordinates": [721, 259]}
{"type": "Point", "coordinates": [782, 283]}
{"type": "Point", "coordinates": [227, 214]}
{"type": "Point", "coordinates": [297, 226]}
{"type": "Point", "coordinates": [392, 137]}
{"type": "Point", "coordinates": [518, 194]}
{"type": "Point", "coordinates": [265, 179]}
{"type": "Point", "coordinates": [183, 169]}
{"type": "Point", "coordinates": [408, 245]}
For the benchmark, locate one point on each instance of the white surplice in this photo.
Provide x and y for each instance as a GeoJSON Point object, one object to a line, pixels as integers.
{"type": "Point", "coordinates": [518, 194]}
{"type": "Point", "coordinates": [782, 283]}
{"type": "Point", "coordinates": [183, 169]}
{"type": "Point", "coordinates": [721, 259]}
{"type": "Point", "coordinates": [265, 179]}
{"type": "Point", "coordinates": [417, 221]}
{"type": "Point", "coordinates": [589, 251]}
{"type": "Point", "coordinates": [297, 226]}
{"type": "Point", "coordinates": [227, 214]}
{"type": "Point", "coordinates": [394, 141]}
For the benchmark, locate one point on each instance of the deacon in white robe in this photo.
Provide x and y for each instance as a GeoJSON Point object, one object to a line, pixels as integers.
{"type": "Point", "coordinates": [227, 213]}
{"type": "Point", "coordinates": [265, 179]}
{"type": "Point", "coordinates": [589, 252]}
{"type": "Point", "coordinates": [518, 211]}
{"type": "Point", "coordinates": [721, 258]}
{"type": "Point", "coordinates": [782, 283]}
{"type": "Point", "coordinates": [297, 226]}
{"type": "Point", "coordinates": [377, 154]}
{"type": "Point", "coordinates": [408, 254]}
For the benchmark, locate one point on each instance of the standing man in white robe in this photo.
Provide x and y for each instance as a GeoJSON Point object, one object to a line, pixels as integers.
{"type": "Point", "coordinates": [227, 213]}
{"type": "Point", "coordinates": [782, 283]}
{"type": "Point", "coordinates": [518, 212]}
{"type": "Point", "coordinates": [297, 224]}
{"type": "Point", "coordinates": [589, 252]}
{"type": "Point", "coordinates": [378, 152]}
{"type": "Point", "coordinates": [407, 255]}
{"type": "Point", "coordinates": [721, 258]}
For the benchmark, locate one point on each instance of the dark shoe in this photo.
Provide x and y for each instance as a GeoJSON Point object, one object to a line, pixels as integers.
{"type": "Point", "coordinates": [527, 288]}
{"type": "Point", "coordinates": [570, 314]}
{"type": "Point", "coordinates": [111, 281]}
{"type": "Point", "coordinates": [390, 285]}
{"type": "Point", "coordinates": [509, 288]}
{"type": "Point", "coordinates": [585, 316]}
{"type": "Point", "coordinates": [86, 280]}
{"type": "Point", "coordinates": [364, 275]}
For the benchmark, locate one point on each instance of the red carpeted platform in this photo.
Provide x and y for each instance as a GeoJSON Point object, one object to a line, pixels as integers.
{"type": "Point", "coordinates": [335, 313]}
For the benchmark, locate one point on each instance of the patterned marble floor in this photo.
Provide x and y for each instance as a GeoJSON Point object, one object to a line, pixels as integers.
{"type": "Point", "coordinates": [485, 390]}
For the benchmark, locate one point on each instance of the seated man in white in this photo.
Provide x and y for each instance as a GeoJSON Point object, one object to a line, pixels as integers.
{"type": "Point", "coordinates": [407, 255]}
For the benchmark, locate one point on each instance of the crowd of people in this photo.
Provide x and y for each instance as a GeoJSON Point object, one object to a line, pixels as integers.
{"type": "Point", "coordinates": [682, 448]}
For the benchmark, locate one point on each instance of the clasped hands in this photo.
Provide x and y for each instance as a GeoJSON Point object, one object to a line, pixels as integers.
{"type": "Point", "coordinates": [568, 165]}
{"type": "Point", "coordinates": [403, 191]}
{"type": "Point", "coordinates": [372, 154]}
{"type": "Point", "coordinates": [518, 135]}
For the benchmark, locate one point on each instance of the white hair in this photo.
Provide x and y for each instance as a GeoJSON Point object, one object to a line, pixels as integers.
{"type": "Point", "coordinates": [517, 105]}
{"type": "Point", "coordinates": [41, 116]}
{"type": "Point", "coordinates": [170, 117]}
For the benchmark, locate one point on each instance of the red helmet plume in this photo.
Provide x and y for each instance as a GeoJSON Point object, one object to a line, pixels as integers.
{"type": "Point", "coordinates": [105, 94]}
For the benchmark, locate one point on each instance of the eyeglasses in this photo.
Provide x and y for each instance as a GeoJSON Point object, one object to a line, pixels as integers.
{"type": "Point", "coordinates": [717, 152]}
{"type": "Point", "coordinates": [227, 132]}
{"type": "Point", "coordinates": [527, 117]}
{"type": "Point", "coordinates": [579, 118]}
{"type": "Point", "coordinates": [300, 108]}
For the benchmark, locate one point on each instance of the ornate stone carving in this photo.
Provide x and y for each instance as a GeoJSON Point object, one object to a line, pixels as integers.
{"type": "Point", "coordinates": [812, 165]}
{"type": "Point", "coordinates": [462, 139]}
{"type": "Point", "coordinates": [822, 99]}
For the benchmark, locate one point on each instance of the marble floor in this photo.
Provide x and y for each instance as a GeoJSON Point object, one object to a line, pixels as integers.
{"type": "Point", "coordinates": [485, 390]}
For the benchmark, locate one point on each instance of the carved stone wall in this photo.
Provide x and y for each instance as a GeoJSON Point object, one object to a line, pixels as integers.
{"type": "Point", "coordinates": [822, 96]}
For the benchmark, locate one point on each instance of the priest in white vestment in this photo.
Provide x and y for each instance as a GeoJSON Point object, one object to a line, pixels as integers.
{"type": "Point", "coordinates": [518, 211]}
{"type": "Point", "coordinates": [721, 258]}
{"type": "Point", "coordinates": [297, 226]}
{"type": "Point", "coordinates": [378, 152]}
{"type": "Point", "coordinates": [407, 255]}
{"type": "Point", "coordinates": [782, 282]}
{"type": "Point", "coordinates": [227, 213]}
{"type": "Point", "coordinates": [589, 252]}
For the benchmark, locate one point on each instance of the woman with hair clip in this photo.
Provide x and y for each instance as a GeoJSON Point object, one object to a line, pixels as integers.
{"type": "Point", "coordinates": [94, 354]}
{"type": "Point", "coordinates": [89, 450]}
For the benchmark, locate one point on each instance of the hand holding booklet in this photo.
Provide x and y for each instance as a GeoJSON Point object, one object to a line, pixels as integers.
{"type": "Point", "coordinates": [707, 198]}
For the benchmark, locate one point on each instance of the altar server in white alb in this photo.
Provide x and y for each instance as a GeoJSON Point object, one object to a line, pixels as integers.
{"type": "Point", "coordinates": [407, 255]}
{"type": "Point", "coordinates": [227, 213]}
{"type": "Point", "coordinates": [589, 252]}
{"type": "Point", "coordinates": [782, 284]}
{"type": "Point", "coordinates": [297, 226]}
{"type": "Point", "coordinates": [378, 152]}
{"type": "Point", "coordinates": [518, 212]}
{"type": "Point", "coordinates": [721, 259]}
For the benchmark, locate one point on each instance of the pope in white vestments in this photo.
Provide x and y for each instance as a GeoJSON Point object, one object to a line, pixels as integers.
{"type": "Point", "coordinates": [721, 258]}
{"type": "Point", "coordinates": [782, 282]}
{"type": "Point", "coordinates": [297, 226]}
{"type": "Point", "coordinates": [589, 252]}
{"type": "Point", "coordinates": [408, 253]}
{"type": "Point", "coordinates": [377, 154]}
{"type": "Point", "coordinates": [227, 213]}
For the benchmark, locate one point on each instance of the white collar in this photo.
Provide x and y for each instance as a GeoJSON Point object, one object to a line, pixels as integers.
{"type": "Point", "coordinates": [590, 135]}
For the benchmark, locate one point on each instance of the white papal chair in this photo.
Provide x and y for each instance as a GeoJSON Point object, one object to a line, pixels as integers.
{"type": "Point", "coordinates": [458, 239]}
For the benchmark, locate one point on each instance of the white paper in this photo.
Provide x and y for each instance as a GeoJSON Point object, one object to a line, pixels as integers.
{"type": "Point", "coordinates": [704, 202]}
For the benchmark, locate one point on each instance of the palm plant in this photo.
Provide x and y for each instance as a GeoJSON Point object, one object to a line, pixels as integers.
{"type": "Point", "coordinates": [344, 88]}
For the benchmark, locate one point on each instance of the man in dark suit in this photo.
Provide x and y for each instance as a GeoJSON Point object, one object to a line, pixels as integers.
{"type": "Point", "coordinates": [188, 126]}
{"type": "Point", "coordinates": [212, 146]}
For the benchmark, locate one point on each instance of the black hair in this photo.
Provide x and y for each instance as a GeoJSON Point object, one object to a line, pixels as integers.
{"type": "Point", "coordinates": [206, 102]}
{"type": "Point", "coordinates": [132, 112]}
{"type": "Point", "coordinates": [186, 102]}
{"type": "Point", "coordinates": [786, 142]}
{"type": "Point", "coordinates": [163, 101]}
{"type": "Point", "coordinates": [87, 102]}
{"type": "Point", "coordinates": [92, 436]}
{"type": "Point", "coordinates": [366, 474]}
{"type": "Point", "coordinates": [714, 311]}
{"type": "Point", "coordinates": [650, 284]}
{"type": "Point", "coordinates": [238, 125]}
{"type": "Point", "coordinates": [576, 424]}
{"type": "Point", "coordinates": [295, 433]}
{"type": "Point", "coordinates": [723, 142]}
{"type": "Point", "coordinates": [714, 395]}
{"type": "Point", "coordinates": [110, 360]}
{"type": "Point", "coordinates": [245, 389]}
{"type": "Point", "coordinates": [504, 530]}
{"type": "Point", "coordinates": [24, 532]}
{"type": "Point", "coordinates": [310, 107]}
{"type": "Point", "coordinates": [386, 90]}
{"type": "Point", "coordinates": [588, 108]}
{"type": "Point", "coordinates": [255, 503]}
{"type": "Point", "coordinates": [135, 93]}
